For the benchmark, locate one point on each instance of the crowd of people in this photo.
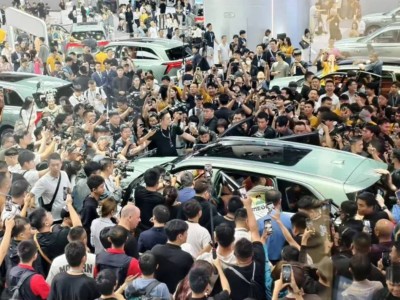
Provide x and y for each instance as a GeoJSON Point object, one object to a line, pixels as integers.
{"type": "Point", "coordinates": [70, 232]}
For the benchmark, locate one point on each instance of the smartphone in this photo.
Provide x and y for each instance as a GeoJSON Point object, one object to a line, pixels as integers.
{"type": "Point", "coordinates": [367, 226]}
{"type": "Point", "coordinates": [268, 226]}
{"type": "Point", "coordinates": [254, 85]}
{"type": "Point", "coordinates": [243, 192]}
{"type": "Point", "coordinates": [65, 192]}
{"type": "Point", "coordinates": [386, 259]}
{"type": "Point", "coordinates": [309, 224]}
{"type": "Point", "coordinates": [270, 207]}
{"type": "Point", "coordinates": [286, 273]}
{"type": "Point", "coordinates": [207, 171]}
{"type": "Point", "coordinates": [8, 204]}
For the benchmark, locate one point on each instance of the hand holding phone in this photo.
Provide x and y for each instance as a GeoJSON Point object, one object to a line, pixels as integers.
{"type": "Point", "coordinates": [243, 193]}
{"type": "Point", "coordinates": [286, 273]}
{"type": "Point", "coordinates": [268, 226]}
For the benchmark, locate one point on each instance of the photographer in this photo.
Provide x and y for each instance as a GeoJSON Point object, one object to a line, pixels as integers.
{"type": "Point", "coordinates": [96, 97]}
{"type": "Point", "coordinates": [114, 121]}
{"type": "Point", "coordinates": [328, 122]}
{"type": "Point", "coordinates": [123, 109]}
{"type": "Point", "coordinates": [125, 145]}
{"type": "Point", "coordinates": [206, 136]}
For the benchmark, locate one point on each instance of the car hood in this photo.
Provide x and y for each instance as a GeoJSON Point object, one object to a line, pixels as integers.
{"type": "Point", "coordinates": [373, 16]}
{"type": "Point", "coordinates": [48, 83]}
{"type": "Point", "coordinates": [353, 42]}
{"type": "Point", "coordinates": [141, 165]}
{"type": "Point", "coordinates": [363, 176]}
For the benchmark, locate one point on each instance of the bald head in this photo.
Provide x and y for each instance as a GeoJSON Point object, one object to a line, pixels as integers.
{"type": "Point", "coordinates": [384, 229]}
{"type": "Point", "coordinates": [129, 210]}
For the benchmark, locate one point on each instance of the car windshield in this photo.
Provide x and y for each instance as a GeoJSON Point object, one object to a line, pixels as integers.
{"type": "Point", "coordinates": [98, 35]}
{"type": "Point", "coordinates": [282, 155]}
{"type": "Point", "coordinates": [14, 78]}
{"type": "Point", "coordinates": [178, 52]}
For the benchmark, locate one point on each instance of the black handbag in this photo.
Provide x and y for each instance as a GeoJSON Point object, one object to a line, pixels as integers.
{"type": "Point", "coordinates": [304, 44]}
{"type": "Point", "coordinates": [49, 206]}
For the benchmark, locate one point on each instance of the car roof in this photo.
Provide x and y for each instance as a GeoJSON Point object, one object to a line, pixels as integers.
{"type": "Point", "coordinates": [308, 160]}
{"type": "Point", "coordinates": [88, 26]}
{"type": "Point", "coordinates": [158, 42]}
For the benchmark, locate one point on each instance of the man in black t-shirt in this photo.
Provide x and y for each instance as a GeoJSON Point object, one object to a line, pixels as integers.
{"type": "Point", "coordinates": [367, 206]}
{"type": "Point", "coordinates": [164, 138]}
{"type": "Point", "coordinates": [51, 244]}
{"type": "Point", "coordinates": [250, 258]}
{"type": "Point", "coordinates": [209, 36]}
{"type": "Point", "coordinates": [173, 262]}
{"type": "Point", "coordinates": [74, 284]}
{"type": "Point", "coordinates": [146, 198]}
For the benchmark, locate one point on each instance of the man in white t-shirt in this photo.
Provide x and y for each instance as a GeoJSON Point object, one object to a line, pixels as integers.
{"type": "Point", "coordinates": [329, 89]}
{"type": "Point", "coordinates": [26, 160]}
{"type": "Point", "coordinates": [223, 52]}
{"type": "Point", "coordinates": [46, 186]}
{"type": "Point", "coordinates": [198, 236]}
{"type": "Point", "coordinates": [153, 32]}
{"type": "Point", "coordinates": [60, 264]}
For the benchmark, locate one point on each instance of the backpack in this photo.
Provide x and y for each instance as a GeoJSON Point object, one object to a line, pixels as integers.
{"type": "Point", "coordinates": [16, 295]}
{"type": "Point", "coordinates": [142, 294]}
{"type": "Point", "coordinates": [256, 291]}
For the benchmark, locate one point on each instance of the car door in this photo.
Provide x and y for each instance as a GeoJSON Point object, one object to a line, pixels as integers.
{"type": "Point", "coordinates": [385, 43]}
{"type": "Point", "coordinates": [13, 102]}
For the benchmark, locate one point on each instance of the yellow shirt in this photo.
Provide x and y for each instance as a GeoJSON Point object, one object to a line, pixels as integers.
{"type": "Point", "coordinates": [101, 57]}
{"type": "Point", "coordinates": [313, 121]}
{"type": "Point", "coordinates": [51, 61]}
{"type": "Point", "coordinates": [143, 17]}
{"type": "Point", "coordinates": [206, 97]}
{"type": "Point", "coordinates": [3, 35]}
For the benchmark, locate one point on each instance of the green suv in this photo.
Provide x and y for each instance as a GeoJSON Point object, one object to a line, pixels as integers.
{"type": "Point", "coordinates": [162, 56]}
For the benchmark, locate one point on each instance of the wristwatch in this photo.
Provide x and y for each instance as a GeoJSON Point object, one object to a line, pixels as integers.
{"type": "Point", "coordinates": [384, 207]}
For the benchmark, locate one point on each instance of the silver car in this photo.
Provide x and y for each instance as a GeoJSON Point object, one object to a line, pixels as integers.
{"type": "Point", "coordinates": [376, 21]}
{"type": "Point", "coordinates": [384, 41]}
{"type": "Point", "coordinates": [311, 170]}
{"type": "Point", "coordinates": [162, 56]}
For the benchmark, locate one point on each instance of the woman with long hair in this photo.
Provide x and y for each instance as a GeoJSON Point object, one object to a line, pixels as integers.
{"type": "Point", "coordinates": [287, 49]}
{"type": "Point", "coordinates": [170, 194]}
{"type": "Point", "coordinates": [5, 65]}
{"type": "Point", "coordinates": [27, 113]}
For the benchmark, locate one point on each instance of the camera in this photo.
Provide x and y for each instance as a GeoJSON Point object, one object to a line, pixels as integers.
{"type": "Point", "coordinates": [289, 108]}
{"type": "Point", "coordinates": [338, 129]}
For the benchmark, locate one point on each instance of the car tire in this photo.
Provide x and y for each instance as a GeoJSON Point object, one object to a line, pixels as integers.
{"type": "Point", "coordinates": [371, 29]}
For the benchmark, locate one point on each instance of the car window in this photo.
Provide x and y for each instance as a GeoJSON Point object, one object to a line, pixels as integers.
{"type": "Point", "coordinates": [96, 34]}
{"type": "Point", "coordinates": [12, 98]}
{"type": "Point", "coordinates": [130, 52]}
{"type": "Point", "coordinates": [281, 155]}
{"type": "Point", "coordinates": [146, 53]}
{"type": "Point", "coordinates": [178, 52]}
{"type": "Point", "coordinates": [390, 36]}
{"type": "Point", "coordinates": [291, 193]}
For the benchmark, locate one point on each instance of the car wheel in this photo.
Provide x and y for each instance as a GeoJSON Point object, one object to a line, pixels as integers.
{"type": "Point", "coordinates": [371, 29]}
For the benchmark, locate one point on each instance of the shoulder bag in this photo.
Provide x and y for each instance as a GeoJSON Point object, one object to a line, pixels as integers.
{"type": "Point", "coordinates": [49, 206]}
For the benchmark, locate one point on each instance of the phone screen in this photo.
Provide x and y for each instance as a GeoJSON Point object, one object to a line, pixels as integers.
{"type": "Point", "coordinates": [309, 224]}
{"type": "Point", "coordinates": [243, 192]}
{"type": "Point", "coordinates": [270, 207]}
{"type": "Point", "coordinates": [386, 258]}
{"type": "Point", "coordinates": [286, 273]}
{"type": "Point", "coordinates": [268, 226]}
